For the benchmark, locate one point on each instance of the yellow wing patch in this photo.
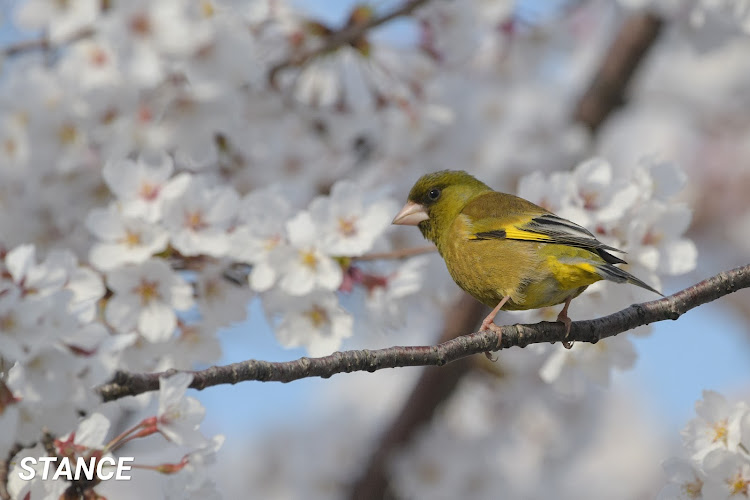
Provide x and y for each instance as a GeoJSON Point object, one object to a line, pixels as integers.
{"type": "Point", "coordinates": [573, 274]}
{"type": "Point", "coordinates": [513, 233]}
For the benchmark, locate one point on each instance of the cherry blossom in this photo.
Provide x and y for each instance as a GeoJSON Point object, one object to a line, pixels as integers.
{"type": "Point", "coordinates": [143, 186]}
{"type": "Point", "coordinates": [198, 220]}
{"type": "Point", "coordinates": [315, 321]}
{"type": "Point", "coordinates": [146, 297]}
{"type": "Point", "coordinates": [303, 266]}
{"type": "Point", "coordinates": [261, 218]}
{"type": "Point", "coordinates": [727, 475]}
{"type": "Point", "coordinates": [685, 482]}
{"type": "Point", "coordinates": [717, 425]}
{"type": "Point", "coordinates": [349, 227]}
{"type": "Point", "coordinates": [124, 240]}
{"type": "Point", "coordinates": [179, 416]}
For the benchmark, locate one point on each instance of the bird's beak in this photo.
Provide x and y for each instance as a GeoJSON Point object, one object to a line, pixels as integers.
{"type": "Point", "coordinates": [411, 215]}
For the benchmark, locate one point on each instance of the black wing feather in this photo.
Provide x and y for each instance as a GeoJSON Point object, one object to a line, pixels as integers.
{"type": "Point", "coordinates": [569, 233]}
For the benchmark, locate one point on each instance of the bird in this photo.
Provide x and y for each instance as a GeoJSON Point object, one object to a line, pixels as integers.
{"type": "Point", "coordinates": [505, 251]}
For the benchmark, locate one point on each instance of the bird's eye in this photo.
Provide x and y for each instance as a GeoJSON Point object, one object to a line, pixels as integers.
{"type": "Point", "coordinates": [434, 194]}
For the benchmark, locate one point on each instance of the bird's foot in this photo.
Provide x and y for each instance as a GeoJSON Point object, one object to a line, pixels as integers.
{"type": "Point", "coordinates": [565, 320]}
{"type": "Point", "coordinates": [489, 325]}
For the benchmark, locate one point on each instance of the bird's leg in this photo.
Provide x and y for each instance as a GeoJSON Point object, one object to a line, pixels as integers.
{"type": "Point", "coordinates": [489, 324]}
{"type": "Point", "coordinates": [564, 319]}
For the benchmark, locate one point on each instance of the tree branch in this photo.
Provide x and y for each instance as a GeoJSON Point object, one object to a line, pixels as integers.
{"type": "Point", "coordinates": [607, 90]}
{"type": "Point", "coordinates": [5, 469]}
{"type": "Point", "coordinates": [402, 253]}
{"type": "Point", "coordinates": [672, 307]}
{"type": "Point", "coordinates": [342, 37]}
{"type": "Point", "coordinates": [44, 43]}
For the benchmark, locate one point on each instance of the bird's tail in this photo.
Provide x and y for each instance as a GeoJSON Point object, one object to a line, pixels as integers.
{"type": "Point", "coordinates": [612, 273]}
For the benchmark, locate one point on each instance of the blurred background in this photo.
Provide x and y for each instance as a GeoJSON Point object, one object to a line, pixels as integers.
{"type": "Point", "coordinates": [496, 88]}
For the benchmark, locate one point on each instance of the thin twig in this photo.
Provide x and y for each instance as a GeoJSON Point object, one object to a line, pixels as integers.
{"type": "Point", "coordinates": [44, 43]}
{"type": "Point", "coordinates": [342, 37]}
{"type": "Point", "coordinates": [5, 469]}
{"type": "Point", "coordinates": [397, 254]}
{"type": "Point", "coordinates": [672, 307]}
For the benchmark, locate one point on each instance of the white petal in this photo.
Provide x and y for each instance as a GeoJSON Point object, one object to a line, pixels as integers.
{"type": "Point", "coordinates": [552, 368]}
{"type": "Point", "coordinates": [108, 256]}
{"type": "Point", "coordinates": [157, 322]}
{"type": "Point", "coordinates": [93, 431]}
{"type": "Point", "coordinates": [20, 260]}
{"type": "Point", "coordinates": [298, 280]}
{"type": "Point", "coordinates": [330, 274]}
{"type": "Point", "coordinates": [594, 171]}
{"type": "Point", "coordinates": [302, 230]}
{"type": "Point", "coordinates": [122, 178]}
{"type": "Point", "coordinates": [262, 277]}
{"type": "Point", "coordinates": [121, 312]}
{"type": "Point", "coordinates": [678, 257]}
{"type": "Point", "coordinates": [105, 224]}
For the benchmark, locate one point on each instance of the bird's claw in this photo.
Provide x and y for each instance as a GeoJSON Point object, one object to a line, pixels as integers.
{"type": "Point", "coordinates": [492, 327]}
{"type": "Point", "coordinates": [565, 320]}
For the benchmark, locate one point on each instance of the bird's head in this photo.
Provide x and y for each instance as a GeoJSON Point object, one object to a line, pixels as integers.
{"type": "Point", "coordinates": [436, 200]}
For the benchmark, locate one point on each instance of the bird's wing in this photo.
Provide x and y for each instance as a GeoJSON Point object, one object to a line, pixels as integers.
{"type": "Point", "coordinates": [511, 218]}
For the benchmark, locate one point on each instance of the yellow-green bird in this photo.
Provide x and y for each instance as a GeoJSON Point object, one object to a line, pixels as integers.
{"type": "Point", "coordinates": [507, 252]}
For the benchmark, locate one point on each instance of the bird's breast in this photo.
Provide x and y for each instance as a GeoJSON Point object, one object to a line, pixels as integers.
{"type": "Point", "coordinates": [490, 269]}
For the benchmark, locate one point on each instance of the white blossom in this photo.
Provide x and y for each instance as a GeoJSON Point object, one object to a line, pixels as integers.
{"type": "Point", "coordinates": [179, 416]}
{"type": "Point", "coordinates": [124, 240]}
{"type": "Point", "coordinates": [570, 369]}
{"type": "Point", "coordinates": [727, 475]}
{"type": "Point", "coordinates": [143, 186]}
{"type": "Point", "coordinates": [685, 481]}
{"type": "Point", "coordinates": [303, 266]}
{"type": "Point", "coordinates": [315, 321]}
{"type": "Point", "coordinates": [146, 297]}
{"type": "Point", "coordinates": [717, 425]}
{"type": "Point", "coordinates": [261, 218]}
{"type": "Point", "coordinates": [349, 227]}
{"type": "Point", "coordinates": [199, 219]}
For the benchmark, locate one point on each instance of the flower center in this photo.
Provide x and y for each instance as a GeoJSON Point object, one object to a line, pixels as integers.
{"type": "Point", "coordinates": [67, 133]}
{"type": "Point", "coordinates": [194, 220]}
{"type": "Point", "coordinates": [149, 191]}
{"type": "Point", "coordinates": [213, 290]}
{"type": "Point", "coordinates": [347, 226]}
{"type": "Point", "coordinates": [148, 290]}
{"type": "Point", "coordinates": [721, 431]}
{"type": "Point", "coordinates": [738, 485]}
{"type": "Point", "coordinates": [10, 147]}
{"type": "Point", "coordinates": [132, 239]}
{"type": "Point", "coordinates": [140, 24]}
{"type": "Point", "coordinates": [309, 259]}
{"type": "Point", "coordinates": [652, 238]}
{"type": "Point", "coordinates": [207, 8]}
{"type": "Point", "coordinates": [98, 57]}
{"type": "Point", "coordinates": [693, 489]}
{"type": "Point", "coordinates": [318, 316]}
{"type": "Point", "coordinates": [7, 322]}
{"type": "Point", "coordinates": [272, 242]}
